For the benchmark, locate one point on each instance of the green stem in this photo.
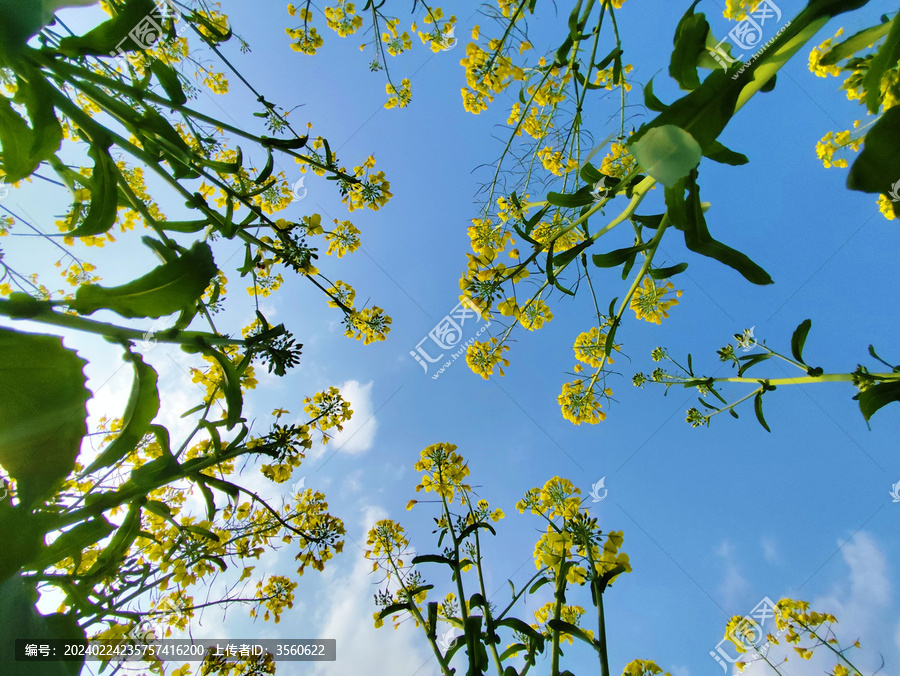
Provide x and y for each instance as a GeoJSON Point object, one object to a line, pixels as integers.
{"type": "Point", "coordinates": [118, 334]}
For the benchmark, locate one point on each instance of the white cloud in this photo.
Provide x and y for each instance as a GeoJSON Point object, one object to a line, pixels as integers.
{"type": "Point", "coordinates": [358, 435]}
{"type": "Point", "coordinates": [863, 604]}
{"type": "Point", "coordinates": [733, 587]}
{"type": "Point", "coordinates": [769, 549]}
{"type": "Point", "coordinates": [347, 617]}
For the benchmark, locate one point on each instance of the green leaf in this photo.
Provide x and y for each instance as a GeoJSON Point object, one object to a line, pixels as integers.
{"type": "Point", "coordinates": [687, 215]}
{"type": "Point", "coordinates": [719, 153]}
{"type": "Point", "coordinates": [690, 43]}
{"type": "Point", "coordinates": [752, 360]}
{"type": "Point", "coordinates": [650, 99]}
{"type": "Point", "coordinates": [434, 558]}
{"type": "Point", "coordinates": [617, 257]}
{"type": "Point", "coordinates": [568, 628]}
{"type": "Point", "coordinates": [24, 147]}
{"type": "Point", "coordinates": [226, 487]}
{"type": "Point", "coordinates": [169, 80]}
{"type": "Point", "coordinates": [589, 174]}
{"type": "Point", "coordinates": [884, 60]}
{"type": "Point", "coordinates": [798, 340]}
{"type": "Point", "coordinates": [875, 397]}
{"type": "Point", "coordinates": [231, 387]}
{"type": "Point", "coordinates": [667, 152]}
{"type": "Point", "coordinates": [20, 620]}
{"type": "Point", "coordinates": [855, 43]}
{"type": "Point", "coordinates": [142, 407]}
{"type": "Point", "coordinates": [104, 187]}
{"type": "Point", "coordinates": [758, 408]}
{"type": "Point", "coordinates": [203, 532]}
{"type": "Point", "coordinates": [263, 176]}
{"type": "Point", "coordinates": [42, 411]}
{"type": "Point", "coordinates": [71, 543]}
{"type": "Point", "coordinates": [289, 144]}
{"type": "Point", "coordinates": [652, 222]}
{"type": "Point", "coordinates": [703, 113]}
{"type": "Point", "coordinates": [538, 584]}
{"type": "Point", "coordinates": [110, 35]}
{"type": "Point", "coordinates": [166, 289]}
{"type": "Point", "coordinates": [393, 608]}
{"type": "Point", "coordinates": [580, 198]}
{"type": "Point", "coordinates": [109, 560]}
{"type": "Point", "coordinates": [665, 273]}
{"type": "Point", "coordinates": [877, 169]}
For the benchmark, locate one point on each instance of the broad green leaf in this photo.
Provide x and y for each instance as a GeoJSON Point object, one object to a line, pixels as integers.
{"type": "Point", "coordinates": [111, 557]}
{"type": "Point", "coordinates": [877, 169]}
{"type": "Point", "coordinates": [25, 18]}
{"type": "Point", "coordinates": [650, 99]}
{"type": "Point", "coordinates": [855, 43]}
{"type": "Point", "coordinates": [72, 543]}
{"type": "Point", "coordinates": [111, 35]}
{"type": "Point", "coordinates": [713, 46]}
{"type": "Point", "coordinates": [690, 43]}
{"type": "Point", "coordinates": [103, 184]}
{"type": "Point", "coordinates": [719, 153]}
{"type": "Point", "coordinates": [687, 215]}
{"type": "Point", "coordinates": [884, 60]}
{"type": "Point", "coordinates": [20, 620]}
{"type": "Point", "coordinates": [142, 407]}
{"type": "Point", "coordinates": [580, 198]}
{"type": "Point", "coordinates": [166, 289]}
{"type": "Point", "coordinates": [42, 411]}
{"type": "Point", "coordinates": [831, 8]}
{"type": "Point", "coordinates": [877, 396]}
{"type": "Point", "coordinates": [589, 174]}
{"type": "Point", "coordinates": [169, 80]}
{"type": "Point", "coordinates": [668, 153]}
{"type": "Point", "coordinates": [24, 147]}
{"type": "Point", "coordinates": [46, 133]}
{"type": "Point", "coordinates": [703, 113]}
{"type": "Point", "coordinates": [16, 142]}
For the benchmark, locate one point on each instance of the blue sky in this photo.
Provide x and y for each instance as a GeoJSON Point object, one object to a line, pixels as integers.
{"type": "Point", "coordinates": [714, 519]}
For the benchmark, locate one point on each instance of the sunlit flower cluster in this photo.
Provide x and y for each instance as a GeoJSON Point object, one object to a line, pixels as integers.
{"type": "Point", "coordinates": [652, 302]}
{"type": "Point", "coordinates": [443, 471]}
{"type": "Point", "coordinates": [369, 325]}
